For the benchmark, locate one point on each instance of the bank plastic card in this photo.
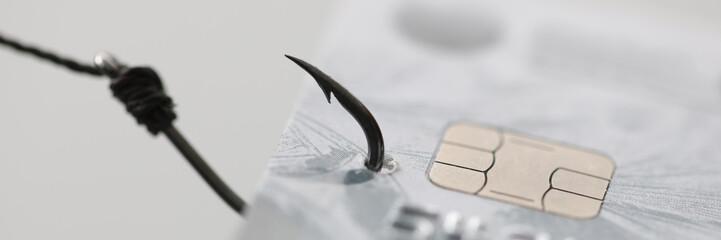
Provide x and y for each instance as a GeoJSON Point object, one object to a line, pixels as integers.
{"type": "Point", "coordinates": [547, 121]}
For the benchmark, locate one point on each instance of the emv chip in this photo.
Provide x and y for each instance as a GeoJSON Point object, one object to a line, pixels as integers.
{"type": "Point", "coordinates": [521, 170]}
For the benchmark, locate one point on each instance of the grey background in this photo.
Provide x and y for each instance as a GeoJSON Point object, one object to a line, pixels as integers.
{"type": "Point", "coordinates": [74, 165]}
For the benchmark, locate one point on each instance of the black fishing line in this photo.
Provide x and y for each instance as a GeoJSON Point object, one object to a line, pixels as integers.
{"type": "Point", "coordinates": [141, 90]}
{"type": "Point", "coordinates": [45, 55]}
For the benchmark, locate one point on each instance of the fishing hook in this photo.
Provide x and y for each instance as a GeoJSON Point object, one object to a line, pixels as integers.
{"type": "Point", "coordinates": [373, 135]}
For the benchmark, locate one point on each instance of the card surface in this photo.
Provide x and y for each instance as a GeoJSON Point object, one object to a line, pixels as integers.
{"type": "Point", "coordinates": [541, 122]}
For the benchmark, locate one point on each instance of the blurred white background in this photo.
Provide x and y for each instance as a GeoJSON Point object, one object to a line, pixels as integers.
{"type": "Point", "coordinates": [75, 165]}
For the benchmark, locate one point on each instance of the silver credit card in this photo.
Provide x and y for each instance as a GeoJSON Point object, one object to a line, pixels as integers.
{"type": "Point", "coordinates": [534, 122]}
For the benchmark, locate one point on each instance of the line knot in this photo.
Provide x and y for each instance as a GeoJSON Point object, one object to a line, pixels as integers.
{"type": "Point", "coordinates": [141, 91]}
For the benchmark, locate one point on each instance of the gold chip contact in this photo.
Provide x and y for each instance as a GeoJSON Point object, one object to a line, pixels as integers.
{"type": "Point", "coordinates": [521, 170]}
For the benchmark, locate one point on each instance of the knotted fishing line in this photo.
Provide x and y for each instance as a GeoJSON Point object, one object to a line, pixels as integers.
{"type": "Point", "coordinates": [141, 91]}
